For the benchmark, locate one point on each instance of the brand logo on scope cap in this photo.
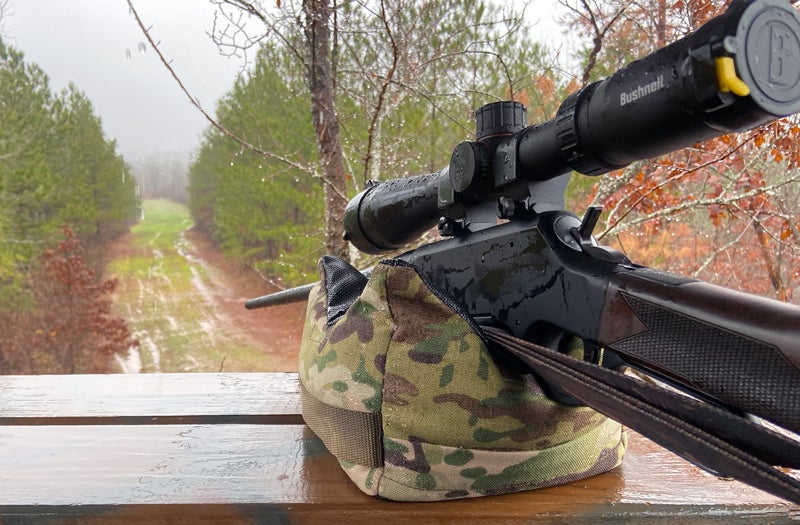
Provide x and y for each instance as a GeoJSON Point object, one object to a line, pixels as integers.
{"type": "Point", "coordinates": [768, 57]}
{"type": "Point", "coordinates": [784, 55]}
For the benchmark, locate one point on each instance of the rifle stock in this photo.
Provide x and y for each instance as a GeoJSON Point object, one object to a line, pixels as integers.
{"type": "Point", "coordinates": [717, 342]}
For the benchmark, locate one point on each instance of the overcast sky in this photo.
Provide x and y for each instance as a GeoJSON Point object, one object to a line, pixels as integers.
{"type": "Point", "coordinates": [88, 42]}
{"type": "Point", "coordinates": [96, 45]}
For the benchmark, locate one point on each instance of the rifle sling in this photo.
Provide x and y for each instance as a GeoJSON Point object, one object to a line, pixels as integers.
{"type": "Point", "coordinates": [686, 426]}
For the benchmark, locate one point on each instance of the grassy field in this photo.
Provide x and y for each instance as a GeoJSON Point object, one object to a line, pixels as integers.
{"type": "Point", "coordinates": [176, 304]}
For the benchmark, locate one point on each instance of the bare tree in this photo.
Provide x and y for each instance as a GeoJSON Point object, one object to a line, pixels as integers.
{"type": "Point", "coordinates": [377, 53]}
{"type": "Point", "coordinates": [623, 30]}
{"type": "Point", "coordinates": [5, 10]}
{"type": "Point", "coordinates": [321, 71]}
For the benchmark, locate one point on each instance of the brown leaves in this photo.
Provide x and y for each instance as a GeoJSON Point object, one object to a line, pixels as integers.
{"type": "Point", "coordinates": [71, 329]}
{"type": "Point", "coordinates": [786, 231]}
{"type": "Point", "coordinates": [695, 212]}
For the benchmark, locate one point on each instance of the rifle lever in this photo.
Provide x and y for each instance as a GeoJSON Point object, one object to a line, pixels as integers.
{"type": "Point", "coordinates": [583, 234]}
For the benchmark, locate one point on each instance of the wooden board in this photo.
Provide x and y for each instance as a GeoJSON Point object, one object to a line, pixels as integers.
{"type": "Point", "coordinates": [283, 472]}
{"type": "Point", "coordinates": [136, 399]}
{"type": "Point", "coordinates": [181, 448]}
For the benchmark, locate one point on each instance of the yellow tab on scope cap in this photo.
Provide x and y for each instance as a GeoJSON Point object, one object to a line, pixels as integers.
{"type": "Point", "coordinates": [727, 79]}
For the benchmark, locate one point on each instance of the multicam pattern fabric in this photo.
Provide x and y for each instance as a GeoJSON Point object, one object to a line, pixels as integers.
{"type": "Point", "coordinates": [456, 420]}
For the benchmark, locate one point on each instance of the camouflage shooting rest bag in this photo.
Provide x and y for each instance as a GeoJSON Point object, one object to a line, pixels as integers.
{"type": "Point", "coordinates": [405, 393]}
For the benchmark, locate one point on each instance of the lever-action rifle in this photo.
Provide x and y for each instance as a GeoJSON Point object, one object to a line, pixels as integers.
{"type": "Point", "coordinates": [540, 279]}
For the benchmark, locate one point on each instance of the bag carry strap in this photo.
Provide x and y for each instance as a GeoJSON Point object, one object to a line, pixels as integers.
{"type": "Point", "coordinates": [708, 436]}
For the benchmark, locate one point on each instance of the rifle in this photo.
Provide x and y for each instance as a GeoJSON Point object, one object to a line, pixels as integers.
{"type": "Point", "coordinates": [540, 279]}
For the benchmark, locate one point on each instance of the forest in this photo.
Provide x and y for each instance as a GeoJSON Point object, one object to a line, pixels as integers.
{"type": "Point", "coordinates": [337, 94]}
{"type": "Point", "coordinates": [401, 80]}
{"type": "Point", "coordinates": [66, 193]}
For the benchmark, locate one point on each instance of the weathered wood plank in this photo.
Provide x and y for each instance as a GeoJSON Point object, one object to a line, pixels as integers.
{"type": "Point", "coordinates": [137, 399]}
{"type": "Point", "coordinates": [95, 449]}
{"type": "Point", "coordinates": [277, 474]}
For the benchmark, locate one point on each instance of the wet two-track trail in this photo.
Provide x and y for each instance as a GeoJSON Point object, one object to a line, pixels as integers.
{"type": "Point", "coordinates": [184, 302]}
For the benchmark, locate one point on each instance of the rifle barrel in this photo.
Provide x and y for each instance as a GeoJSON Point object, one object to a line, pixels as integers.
{"type": "Point", "coordinates": [292, 295]}
{"type": "Point", "coordinates": [297, 294]}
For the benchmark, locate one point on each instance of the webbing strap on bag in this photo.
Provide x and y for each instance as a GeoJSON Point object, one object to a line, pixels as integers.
{"type": "Point", "coordinates": [708, 436]}
{"type": "Point", "coordinates": [351, 436]}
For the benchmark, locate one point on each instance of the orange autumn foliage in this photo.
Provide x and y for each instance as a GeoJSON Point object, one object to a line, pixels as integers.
{"type": "Point", "coordinates": [725, 210]}
{"type": "Point", "coordinates": [70, 329]}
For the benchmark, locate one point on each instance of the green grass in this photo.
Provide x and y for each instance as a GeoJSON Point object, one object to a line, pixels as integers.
{"type": "Point", "coordinates": [164, 222]}
{"type": "Point", "coordinates": [160, 293]}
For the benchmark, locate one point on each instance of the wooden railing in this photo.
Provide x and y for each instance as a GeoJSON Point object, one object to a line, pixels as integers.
{"type": "Point", "coordinates": [232, 448]}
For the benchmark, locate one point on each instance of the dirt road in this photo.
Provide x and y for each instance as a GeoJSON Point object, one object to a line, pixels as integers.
{"type": "Point", "coordinates": [184, 302]}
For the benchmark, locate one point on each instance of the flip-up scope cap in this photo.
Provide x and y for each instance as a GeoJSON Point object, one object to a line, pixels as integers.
{"type": "Point", "coordinates": [766, 50]}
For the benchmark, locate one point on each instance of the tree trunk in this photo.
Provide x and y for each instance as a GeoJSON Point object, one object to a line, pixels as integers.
{"type": "Point", "coordinates": [326, 124]}
{"type": "Point", "coordinates": [661, 24]}
{"type": "Point", "coordinates": [773, 270]}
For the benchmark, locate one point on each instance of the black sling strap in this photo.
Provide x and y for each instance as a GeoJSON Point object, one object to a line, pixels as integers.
{"type": "Point", "coordinates": [706, 435]}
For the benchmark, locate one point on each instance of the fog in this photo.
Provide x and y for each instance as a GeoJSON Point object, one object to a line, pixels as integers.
{"type": "Point", "coordinates": [97, 45]}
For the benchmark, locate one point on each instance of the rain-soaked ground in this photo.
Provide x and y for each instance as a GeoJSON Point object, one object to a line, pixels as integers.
{"type": "Point", "coordinates": [184, 302]}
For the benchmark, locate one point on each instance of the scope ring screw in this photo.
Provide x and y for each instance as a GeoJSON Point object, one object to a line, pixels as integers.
{"type": "Point", "coordinates": [451, 227]}
{"type": "Point", "coordinates": [506, 208]}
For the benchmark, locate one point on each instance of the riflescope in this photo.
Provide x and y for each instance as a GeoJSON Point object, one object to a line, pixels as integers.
{"type": "Point", "coordinates": [738, 71]}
